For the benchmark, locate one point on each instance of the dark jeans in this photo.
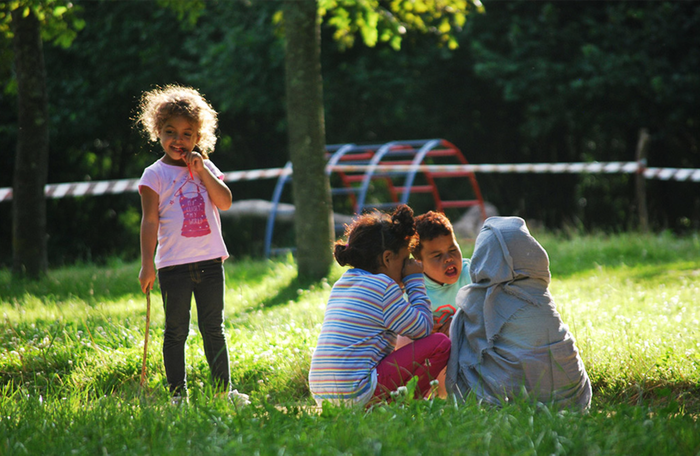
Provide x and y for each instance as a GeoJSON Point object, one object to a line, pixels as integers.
{"type": "Point", "coordinates": [177, 284]}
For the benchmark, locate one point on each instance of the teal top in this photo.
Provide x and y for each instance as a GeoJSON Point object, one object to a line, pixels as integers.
{"type": "Point", "coordinates": [442, 296]}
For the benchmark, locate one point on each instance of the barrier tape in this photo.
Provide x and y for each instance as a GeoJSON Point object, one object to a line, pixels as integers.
{"type": "Point", "coordinates": [610, 167]}
{"type": "Point", "coordinates": [678, 174]}
{"type": "Point", "coordinates": [131, 185]}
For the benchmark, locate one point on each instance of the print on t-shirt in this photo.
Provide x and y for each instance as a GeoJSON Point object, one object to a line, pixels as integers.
{"type": "Point", "coordinates": [442, 313]}
{"type": "Point", "coordinates": [195, 223]}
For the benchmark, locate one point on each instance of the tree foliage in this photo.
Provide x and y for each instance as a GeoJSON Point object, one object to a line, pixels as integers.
{"type": "Point", "coordinates": [528, 82]}
{"type": "Point", "coordinates": [388, 21]}
{"type": "Point", "coordinates": [587, 77]}
{"type": "Point", "coordinates": [59, 19]}
{"type": "Point", "coordinates": [60, 24]}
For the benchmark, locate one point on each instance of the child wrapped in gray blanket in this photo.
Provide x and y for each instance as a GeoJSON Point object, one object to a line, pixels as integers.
{"type": "Point", "coordinates": [508, 340]}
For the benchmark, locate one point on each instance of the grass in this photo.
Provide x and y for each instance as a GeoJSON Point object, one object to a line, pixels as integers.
{"type": "Point", "coordinates": [71, 348]}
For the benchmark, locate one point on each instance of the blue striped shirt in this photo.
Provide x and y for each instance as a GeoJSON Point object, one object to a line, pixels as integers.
{"type": "Point", "coordinates": [364, 314]}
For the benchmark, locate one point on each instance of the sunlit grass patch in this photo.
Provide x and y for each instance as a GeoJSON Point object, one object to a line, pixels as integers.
{"type": "Point", "coordinates": [272, 346]}
{"type": "Point", "coordinates": [571, 255]}
{"type": "Point", "coordinates": [638, 328]}
{"type": "Point", "coordinates": [71, 348]}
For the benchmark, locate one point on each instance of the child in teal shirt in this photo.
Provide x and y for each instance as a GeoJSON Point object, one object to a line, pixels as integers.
{"type": "Point", "coordinates": [444, 272]}
{"type": "Point", "coordinates": [444, 269]}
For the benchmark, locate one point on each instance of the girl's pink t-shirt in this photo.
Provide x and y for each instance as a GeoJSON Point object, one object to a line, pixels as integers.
{"type": "Point", "coordinates": [189, 228]}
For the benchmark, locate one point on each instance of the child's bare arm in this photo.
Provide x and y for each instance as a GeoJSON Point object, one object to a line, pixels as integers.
{"type": "Point", "coordinates": [218, 191]}
{"type": "Point", "coordinates": [149, 237]}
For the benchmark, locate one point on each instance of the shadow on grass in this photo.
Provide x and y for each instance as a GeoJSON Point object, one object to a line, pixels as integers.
{"type": "Point", "coordinates": [94, 284]}
{"type": "Point", "coordinates": [671, 396]}
{"type": "Point", "coordinates": [290, 292]}
{"type": "Point", "coordinates": [87, 282]}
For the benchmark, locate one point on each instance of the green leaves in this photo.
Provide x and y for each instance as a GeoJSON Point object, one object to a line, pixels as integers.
{"type": "Point", "coordinates": [60, 21]}
{"type": "Point", "coordinates": [390, 21]}
{"type": "Point", "coordinates": [187, 11]}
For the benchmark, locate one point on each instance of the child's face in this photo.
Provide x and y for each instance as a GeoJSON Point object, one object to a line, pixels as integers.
{"type": "Point", "coordinates": [393, 263]}
{"type": "Point", "coordinates": [178, 136]}
{"type": "Point", "coordinates": [441, 258]}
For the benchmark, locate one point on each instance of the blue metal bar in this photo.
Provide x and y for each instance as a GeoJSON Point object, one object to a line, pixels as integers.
{"type": "Point", "coordinates": [344, 191]}
{"type": "Point", "coordinates": [273, 211]}
{"type": "Point", "coordinates": [337, 155]}
{"type": "Point", "coordinates": [376, 158]}
{"type": "Point", "coordinates": [385, 205]}
{"type": "Point", "coordinates": [381, 152]}
{"type": "Point", "coordinates": [417, 160]}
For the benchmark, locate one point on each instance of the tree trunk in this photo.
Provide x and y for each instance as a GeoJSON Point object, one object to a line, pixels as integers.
{"type": "Point", "coordinates": [29, 256]}
{"type": "Point", "coordinates": [310, 185]}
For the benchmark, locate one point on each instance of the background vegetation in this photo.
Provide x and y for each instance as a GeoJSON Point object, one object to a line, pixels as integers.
{"type": "Point", "coordinates": [71, 348]}
{"type": "Point", "coordinates": [529, 82]}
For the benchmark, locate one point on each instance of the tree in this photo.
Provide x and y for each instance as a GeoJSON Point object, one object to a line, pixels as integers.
{"type": "Point", "coordinates": [31, 162]}
{"type": "Point", "coordinates": [377, 22]}
{"type": "Point", "coordinates": [305, 125]}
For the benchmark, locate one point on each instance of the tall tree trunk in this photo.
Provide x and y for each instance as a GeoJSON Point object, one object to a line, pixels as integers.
{"type": "Point", "coordinates": [29, 257]}
{"type": "Point", "coordinates": [313, 218]}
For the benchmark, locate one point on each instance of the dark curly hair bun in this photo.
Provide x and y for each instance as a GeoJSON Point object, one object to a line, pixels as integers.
{"type": "Point", "coordinates": [370, 234]}
{"type": "Point", "coordinates": [340, 252]}
{"type": "Point", "coordinates": [402, 223]}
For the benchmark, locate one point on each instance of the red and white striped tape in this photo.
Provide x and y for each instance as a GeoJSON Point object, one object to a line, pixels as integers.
{"type": "Point", "coordinates": [255, 174]}
{"type": "Point", "coordinates": [81, 188]}
{"type": "Point", "coordinates": [131, 185]}
{"type": "Point", "coordinates": [677, 174]}
{"type": "Point", "coordinates": [609, 167]}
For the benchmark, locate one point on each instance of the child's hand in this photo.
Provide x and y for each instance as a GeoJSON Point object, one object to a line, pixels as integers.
{"type": "Point", "coordinates": [411, 266]}
{"type": "Point", "coordinates": [147, 277]}
{"type": "Point", "coordinates": [194, 160]}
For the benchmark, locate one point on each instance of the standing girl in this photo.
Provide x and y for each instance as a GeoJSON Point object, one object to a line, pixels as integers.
{"type": "Point", "coordinates": [355, 360]}
{"type": "Point", "coordinates": [181, 195]}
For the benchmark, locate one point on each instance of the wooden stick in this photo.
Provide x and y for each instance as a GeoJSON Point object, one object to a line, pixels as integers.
{"type": "Point", "coordinates": [145, 340]}
{"type": "Point", "coordinates": [640, 180]}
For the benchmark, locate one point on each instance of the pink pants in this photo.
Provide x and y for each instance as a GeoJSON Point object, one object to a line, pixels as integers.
{"type": "Point", "coordinates": [424, 358]}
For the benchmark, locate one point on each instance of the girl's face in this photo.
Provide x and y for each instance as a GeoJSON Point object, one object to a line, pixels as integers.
{"type": "Point", "coordinates": [178, 137]}
{"type": "Point", "coordinates": [441, 258]}
{"type": "Point", "coordinates": [393, 263]}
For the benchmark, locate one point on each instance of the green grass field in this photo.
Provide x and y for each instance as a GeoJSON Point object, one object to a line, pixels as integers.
{"type": "Point", "coordinates": [71, 349]}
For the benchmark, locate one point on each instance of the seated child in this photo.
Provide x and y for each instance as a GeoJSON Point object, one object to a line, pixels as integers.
{"type": "Point", "coordinates": [443, 266]}
{"type": "Point", "coordinates": [444, 270]}
{"type": "Point", "coordinates": [507, 338]}
{"type": "Point", "coordinates": [354, 360]}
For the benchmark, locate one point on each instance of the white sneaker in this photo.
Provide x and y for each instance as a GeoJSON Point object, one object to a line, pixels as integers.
{"type": "Point", "coordinates": [179, 400]}
{"type": "Point", "coordinates": [239, 399]}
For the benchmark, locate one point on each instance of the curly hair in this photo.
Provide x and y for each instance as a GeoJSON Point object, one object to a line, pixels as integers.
{"type": "Point", "coordinates": [369, 235]}
{"type": "Point", "coordinates": [162, 103]}
{"type": "Point", "coordinates": [429, 226]}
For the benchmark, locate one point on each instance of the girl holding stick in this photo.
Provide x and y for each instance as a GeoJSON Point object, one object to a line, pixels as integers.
{"type": "Point", "coordinates": [181, 195]}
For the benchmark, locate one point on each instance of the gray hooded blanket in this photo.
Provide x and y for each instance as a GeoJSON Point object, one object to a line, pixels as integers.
{"type": "Point", "coordinates": [508, 339]}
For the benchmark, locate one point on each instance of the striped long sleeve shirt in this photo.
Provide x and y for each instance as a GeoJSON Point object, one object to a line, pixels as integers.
{"type": "Point", "coordinates": [364, 314]}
